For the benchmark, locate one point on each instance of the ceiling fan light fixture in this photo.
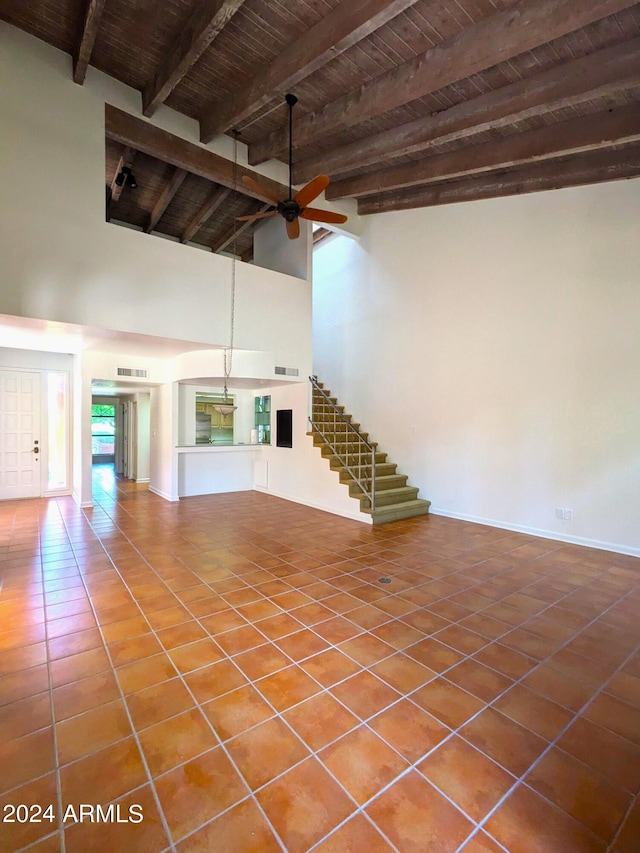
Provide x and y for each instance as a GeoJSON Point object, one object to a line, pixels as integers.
{"type": "Point", "coordinates": [296, 206]}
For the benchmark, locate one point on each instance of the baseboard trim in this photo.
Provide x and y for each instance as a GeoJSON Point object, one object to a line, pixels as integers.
{"type": "Point", "coordinates": [164, 495]}
{"type": "Point", "coordinates": [82, 504]}
{"type": "Point", "coordinates": [143, 480]}
{"type": "Point", "coordinates": [355, 516]}
{"type": "Point", "coordinates": [615, 547]}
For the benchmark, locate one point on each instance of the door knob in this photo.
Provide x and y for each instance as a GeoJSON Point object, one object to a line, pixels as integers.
{"type": "Point", "coordinates": [36, 450]}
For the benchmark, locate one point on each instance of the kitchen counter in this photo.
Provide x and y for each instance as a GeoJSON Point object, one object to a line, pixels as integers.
{"type": "Point", "coordinates": [187, 448]}
{"type": "Point", "coordinates": [209, 469]}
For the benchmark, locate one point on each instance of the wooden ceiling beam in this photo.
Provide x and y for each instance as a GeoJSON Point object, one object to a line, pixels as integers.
{"type": "Point", "coordinates": [341, 28]}
{"type": "Point", "coordinates": [590, 168]}
{"type": "Point", "coordinates": [597, 75]}
{"type": "Point", "coordinates": [166, 196]}
{"type": "Point", "coordinates": [493, 39]}
{"type": "Point", "coordinates": [149, 139]}
{"type": "Point", "coordinates": [572, 136]}
{"type": "Point", "coordinates": [207, 21]}
{"type": "Point", "coordinates": [236, 230]}
{"type": "Point", "coordinates": [213, 202]}
{"type": "Point", "coordinates": [320, 234]}
{"type": "Point", "coordinates": [88, 33]}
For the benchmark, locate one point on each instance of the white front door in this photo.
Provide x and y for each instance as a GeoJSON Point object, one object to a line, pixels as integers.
{"type": "Point", "coordinates": [20, 444]}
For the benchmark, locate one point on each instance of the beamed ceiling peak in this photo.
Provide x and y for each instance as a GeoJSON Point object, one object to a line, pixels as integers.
{"type": "Point", "coordinates": [403, 103]}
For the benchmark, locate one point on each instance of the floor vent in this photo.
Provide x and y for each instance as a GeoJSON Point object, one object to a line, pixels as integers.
{"type": "Point", "coordinates": [138, 372]}
{"type": "Point", "coordinates": [287, 371]}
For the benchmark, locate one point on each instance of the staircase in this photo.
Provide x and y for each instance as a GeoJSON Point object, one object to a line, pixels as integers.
{"type": "Point", "coordinates": [385, 496]}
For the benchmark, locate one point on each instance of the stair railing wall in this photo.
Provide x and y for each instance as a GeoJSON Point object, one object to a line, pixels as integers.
{"type": "Point", "coordinates": [356, 454]}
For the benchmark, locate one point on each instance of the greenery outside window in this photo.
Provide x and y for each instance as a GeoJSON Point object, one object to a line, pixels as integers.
{"type": "Point", "coordinates": [103, 429]}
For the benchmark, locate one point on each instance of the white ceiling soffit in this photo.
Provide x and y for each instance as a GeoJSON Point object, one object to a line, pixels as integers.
{"type": "Point", "coordinates": [51, 336]}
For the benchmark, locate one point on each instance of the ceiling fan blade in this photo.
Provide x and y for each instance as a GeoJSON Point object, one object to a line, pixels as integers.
{"type": "Point", "coordinates": [311, 190]}
{"type": "Point", "coordinates": [293, 229]}
{"type": "Point", "coordinates": [317, 215]}
{"type": "Point", "coordinates": [253, 216]}
{"type": "Point", "coordinates": [258, 188]}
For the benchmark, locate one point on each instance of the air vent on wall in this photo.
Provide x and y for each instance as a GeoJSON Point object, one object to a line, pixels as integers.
{"type": "Point", "coordinates": [139, 373]}
{"type": "Point", "coordinates": [287, 371]}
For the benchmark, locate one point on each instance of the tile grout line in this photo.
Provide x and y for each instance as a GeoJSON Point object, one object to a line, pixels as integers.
{"type": "Point", "coordinates": [198, 706]}
{"type": "Point", "coordinates": [400, 699]}
{"type": "Point", "coordinates": [133, 729]}
{"type": "Point", "coordinates": [552, 744]}
{"type": "Point", "coordinates": [52, 711]}
{"type": "Point", "coordinates": [313, 753]}
{"type": "Point", "coordinates": [634, 800]}
{"type": "Point", "coordinates": [303, 626]}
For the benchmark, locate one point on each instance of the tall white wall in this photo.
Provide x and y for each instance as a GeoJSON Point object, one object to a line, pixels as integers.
{"type": "Point", "coordinates": [273, 249]}
{"type": "Point", "coordinates": [492, 349]}
{"type": "Point", "coordinates": [163, 464]}
{"type": "Point", "coordinates": [62, 260]}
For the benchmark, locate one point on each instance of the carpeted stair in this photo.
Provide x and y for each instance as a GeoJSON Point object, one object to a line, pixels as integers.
{"type": "Point", "coordinates": [393, 497]}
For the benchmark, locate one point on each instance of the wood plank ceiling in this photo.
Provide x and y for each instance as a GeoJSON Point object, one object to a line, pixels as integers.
{"type": "Point", "coordinates": [404, 103]}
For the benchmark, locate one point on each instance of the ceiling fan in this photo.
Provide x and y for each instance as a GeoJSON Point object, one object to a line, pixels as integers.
{"type": "Point", "coordinates": [295, 207]}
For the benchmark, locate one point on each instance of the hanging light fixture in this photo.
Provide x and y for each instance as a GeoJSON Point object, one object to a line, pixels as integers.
{"type": "Point", "coordinates": [227, 407]}
{"type": "Point", "coordinates": [125, 175]}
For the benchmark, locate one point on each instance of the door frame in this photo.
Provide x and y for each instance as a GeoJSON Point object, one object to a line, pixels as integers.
{"type": "Point", "coordinates": [44, 373]}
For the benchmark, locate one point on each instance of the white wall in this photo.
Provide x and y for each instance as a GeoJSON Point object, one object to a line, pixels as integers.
{"type": "Point", "coordinates": [62, 261]}
{"type": "Point", "coordinates": [273, 249]}
{"type": "Point", "coordinates": [163, 463]}
{"type": "Point", "coordinates": [492, 349]}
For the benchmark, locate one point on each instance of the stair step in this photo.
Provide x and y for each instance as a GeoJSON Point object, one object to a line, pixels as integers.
{"type": "Point", "coordinates": [328, 425]}
{"type": "Point", "coordinates": [383, 469]}
{"type": "Point", "coordinates": [390, 496]}
{"type": "Point", "coordinates": [343, 440]}
{"type": "Point", "coordinates": [396, 512]}
{"type": "Point", "coordinates": [384, 483]}
{"type": "Point", "coordinates": [336, 464]}
{"type": "Point", "coordinates": [323, 402]}
{"type": "Point", "coordinates": [395, 500]}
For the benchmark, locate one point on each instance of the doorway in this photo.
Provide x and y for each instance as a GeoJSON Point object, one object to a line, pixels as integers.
{"type": "Point", "coordinates": [20, 440]}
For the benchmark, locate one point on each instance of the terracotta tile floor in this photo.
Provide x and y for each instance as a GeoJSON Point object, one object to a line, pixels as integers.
{"type": "Point", "coordinates": [232, 665]}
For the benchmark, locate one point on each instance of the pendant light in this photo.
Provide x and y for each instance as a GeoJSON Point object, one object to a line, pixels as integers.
{"type": "Point", "coordinates": [226, 407]}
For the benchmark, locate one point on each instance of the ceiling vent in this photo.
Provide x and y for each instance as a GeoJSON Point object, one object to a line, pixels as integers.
{"type": "Point", "coordinates": [137, 372]}
{"type": "Point", "coordinates": [287, 371]}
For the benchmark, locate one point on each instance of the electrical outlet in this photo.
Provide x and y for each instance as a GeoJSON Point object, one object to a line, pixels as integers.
{"type": "Point", "coordinates": [563, 513]}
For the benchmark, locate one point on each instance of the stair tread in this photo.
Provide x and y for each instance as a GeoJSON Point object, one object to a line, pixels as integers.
{"type": "Point", "coordinates": [384, 478]}
{"type": "Point", "coordinates": [395, 501]}
{"type": "Point", "coordinates": [398, 490]}
{"type": "Point", "coordinates": [392, 509]}
{"type": "Point", "coordinates": [403, 505]}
